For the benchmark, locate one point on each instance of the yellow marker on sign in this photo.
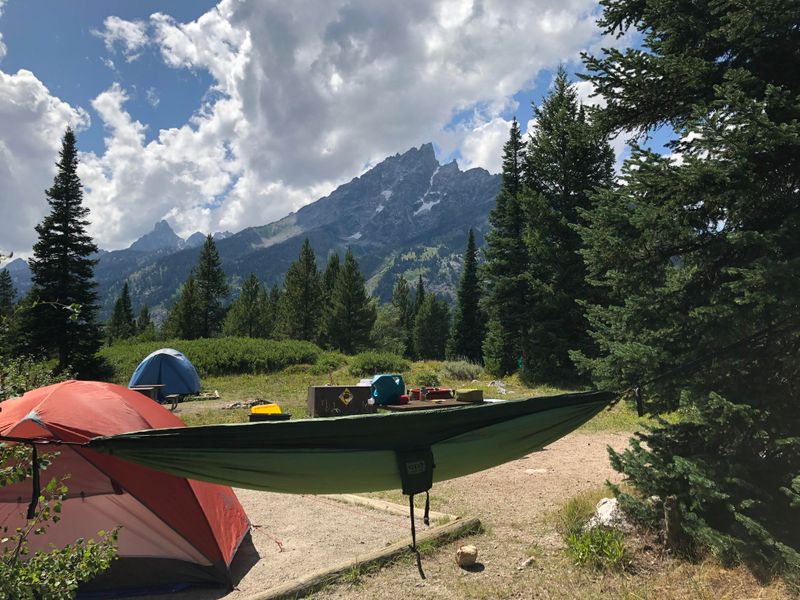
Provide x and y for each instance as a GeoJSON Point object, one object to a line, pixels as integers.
{"type": "Point", "coordinates": [346, 396]}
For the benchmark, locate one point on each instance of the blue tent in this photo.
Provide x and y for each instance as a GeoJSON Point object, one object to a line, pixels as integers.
{"type": "Point", "coordinates": [169, 368]}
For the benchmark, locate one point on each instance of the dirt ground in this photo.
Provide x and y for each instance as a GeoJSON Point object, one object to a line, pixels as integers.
{"type": "Point", "coordinates": [299, 534]}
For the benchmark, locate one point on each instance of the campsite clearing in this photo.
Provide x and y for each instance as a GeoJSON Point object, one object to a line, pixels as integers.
{"type": "Point", "coordinates": [516, 503]}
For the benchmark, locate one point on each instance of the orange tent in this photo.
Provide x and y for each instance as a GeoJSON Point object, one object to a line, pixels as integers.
{"type": "Point", "coordinates": [175, 532]}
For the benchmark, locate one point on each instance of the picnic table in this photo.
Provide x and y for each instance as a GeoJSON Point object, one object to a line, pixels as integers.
{"type": "Point", "coordinates": [150, 390]}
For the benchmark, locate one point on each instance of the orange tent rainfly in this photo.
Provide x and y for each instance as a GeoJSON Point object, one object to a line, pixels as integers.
{"type": "Point", "coordinates": [175, 531]}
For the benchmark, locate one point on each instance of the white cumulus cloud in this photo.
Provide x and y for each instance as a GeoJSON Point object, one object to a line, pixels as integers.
{"type": "Point", "coordinates": [129, 36]}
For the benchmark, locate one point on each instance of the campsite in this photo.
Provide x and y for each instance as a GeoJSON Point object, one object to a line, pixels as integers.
{"type": "Point", "coordinates": [521, 506]}
{"type": "Point", "coordinates": [436, 299]}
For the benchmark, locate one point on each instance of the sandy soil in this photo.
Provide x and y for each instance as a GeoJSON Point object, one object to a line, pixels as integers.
{"type": "Point", "coordinates": [316, 532]}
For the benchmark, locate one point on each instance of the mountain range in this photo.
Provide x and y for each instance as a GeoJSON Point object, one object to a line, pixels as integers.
{"type": "Point", "coordinates": [408, 214]}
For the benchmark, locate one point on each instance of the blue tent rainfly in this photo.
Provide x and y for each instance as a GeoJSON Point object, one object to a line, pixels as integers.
{"type": "Point", "coordinates": [169, 368]}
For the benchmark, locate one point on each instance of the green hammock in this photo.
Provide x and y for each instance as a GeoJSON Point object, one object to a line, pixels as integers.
{"type": "Point", "coordinates": [359, 453]}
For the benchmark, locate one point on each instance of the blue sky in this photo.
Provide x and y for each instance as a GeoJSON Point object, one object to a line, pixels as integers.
{"type": "Point", "coordinates": [221, 116]}
{"type": "Point", "coordinates": [54, 40]}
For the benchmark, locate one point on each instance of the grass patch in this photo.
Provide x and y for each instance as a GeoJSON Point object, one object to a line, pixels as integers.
{"type": "Point", "coordinates": [578, 510]}
{"type": "Point", "coordinates": [599, 547]}
{"type": "Point", "coordinates": [216, 417]}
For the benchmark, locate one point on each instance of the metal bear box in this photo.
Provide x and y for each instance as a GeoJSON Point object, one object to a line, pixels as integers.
{"type": "Point", "coordinates": [338, 400]}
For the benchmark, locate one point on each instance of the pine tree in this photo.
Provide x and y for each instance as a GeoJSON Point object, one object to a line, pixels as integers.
{"type": "Point", "coordinates": [122, 324]}
{"type": "Point", "coordinates": [431, 328]}
{"type": "Point", "coordinates": [328, 283]}
{"type": "Point", "coordinates": [504, 274]}
{"type": "Point", "coordinates": [63, 317]}
{"type": "Point", "coordinates": [182, 321]}
{"type": "Point", "coordinates": [699, 259]}
{"type": "Point", "coordinates": [300, 312]}
{"type": "Point", "coordinates": [401, 300]}
{"type": "Point", "coordinates": [419, 296]}
{"type": "Point", "coordinates": [330, 275]}
{"type": "Point", "coordinates": [567, 158]}
{"type": "Point", "coordinates": [7, 294]}
{"type": "Point", "coordinates": [145, 328]}
{"type": "Point", "coordinates": [269, 304]}
{"type": "Point", "coordinates": [211, 289]}
{"type": "Point", "coordinates": [144, 321]}
{"type": "Point", "coordinates": [7, 304]}
{"type": "Point", "coordinates": [352, 313]}
{"type": "Point", "coordinates": [245, 316]}
{"type": "Point", "coordinates": [388, 334]}
{"type": "Point", "coordinates": [466, 335]}
{"type": "Point", "coordinates": [513, 171]}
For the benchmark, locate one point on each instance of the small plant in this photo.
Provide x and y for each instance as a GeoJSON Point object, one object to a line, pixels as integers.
{"type": "Point", "coordinates": [367, 364]}
{"type": "Point", "coordinates": [55, 573]}
{"type": "Point", "coordinates": [461, 370]}
{"type": "Point", "coordinates": [599, 547]}
{"type": "Point", "coordinates": [427, 379]}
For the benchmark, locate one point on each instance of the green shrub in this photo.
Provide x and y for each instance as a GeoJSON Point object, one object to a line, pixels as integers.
{"type": "Point", "coordinates": [217, 356]}
{"type": "Point", "coordinates": [461, 370]}
{"type": "Point", "coordinates": [327, 362]}
{"type": "Point", "coordinates": [599, 547]}
{"type": "Point", "coordinates": [18, 375]}
{"type": "Point", "coordinates": [427, 378]}
{"type": "Point", "coordinates": [371, 363]}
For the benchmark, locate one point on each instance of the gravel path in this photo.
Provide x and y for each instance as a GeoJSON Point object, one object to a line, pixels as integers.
{"type": "Point", "coordinates": [317, 532]}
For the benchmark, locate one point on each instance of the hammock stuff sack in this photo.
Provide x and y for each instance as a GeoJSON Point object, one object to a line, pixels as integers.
{"type": "Point", "coordinates": [359, 453]}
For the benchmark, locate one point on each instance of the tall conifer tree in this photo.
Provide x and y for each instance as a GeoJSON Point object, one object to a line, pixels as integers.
{"type": "Point", "coordinates": [352, 313]}
{"type": "Point", "coordinates": [182, 321]}
{"type": "Point", "coordinates": [143, 321]}
{"type": "Point", "coordinates": [329, 277]}
{"type": "Point", "coordinates": [301, 300]}
{"type": "Point", "coordinates": [419, 296]}
{"type": "Point", "coordinates": [122, 324]}
{"type": "Point", "coordinates": [700, 259]}
{"type": "Point", "coordinates": [211, 289]}
{"type": "Point", "coordinates": [505, 272]}
{"type": "Point", "coordinates": [567, 158]}
{"type": "Point", "coordinates": [431, 327]}
{"type": "Point", "coordinates": [7, 294]}
{"type": "Point", "coordinates": [63, 318]}
{"type": "Point", "coordinates": [401, 300]}
{"type": "Point", "coordinates": [466, 335]}
{"type": "Point", "coordinates": [7, 303]}
{"type": "Point", "coordinates": [245, 316]}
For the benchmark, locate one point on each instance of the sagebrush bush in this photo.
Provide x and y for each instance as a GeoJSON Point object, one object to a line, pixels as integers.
{"type": "Point", "coordinates": [217, 356]}
{"type": "Point", "coordinates": [427, 378]}
{"type": "Point", "coordinates": [367, 364]}
{"type": "Point", "coordinates": [461, 370]}
{"type": "Point", "coordinates": [327, 362]}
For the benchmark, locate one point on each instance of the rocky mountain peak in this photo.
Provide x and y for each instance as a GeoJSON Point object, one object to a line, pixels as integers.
{"type": "Point", "coordinates": [161, 238]}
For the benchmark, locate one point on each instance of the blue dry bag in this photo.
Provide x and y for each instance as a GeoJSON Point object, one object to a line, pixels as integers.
{"type": "Point", "coordinates": [387, 389]}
